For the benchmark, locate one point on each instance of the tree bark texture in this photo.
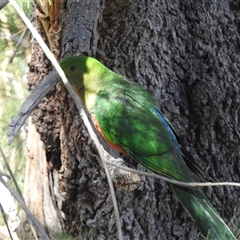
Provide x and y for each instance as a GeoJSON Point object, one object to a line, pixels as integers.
{"type": "Point", "coordinates": [39, 189]}
{"type": "Point", "coordinates": [187, 55]}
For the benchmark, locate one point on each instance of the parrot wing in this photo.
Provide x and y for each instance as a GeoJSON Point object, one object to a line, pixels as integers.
{"type": "Point", "coordinates": [131, 120]}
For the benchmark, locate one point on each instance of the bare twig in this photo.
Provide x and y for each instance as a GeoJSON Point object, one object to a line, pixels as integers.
{"type": "Point", "coordinates": [78, 104]}
{"type": "Point", "coordinates": [25, 208]}
{"type": "Point", "coordinates": [103, 159]}
{"type": "Point", "coordinates": [10, 172]}
{"type": "Point", "coordinates": [183, 184]}
{"type": "Point", "coordinates": [17, 187]}
{"type": "Point", "coordinates": [19, 42]}
{"type": "Point", "coordinates": [4, 174]}
{"type": "Point", "coordinates": [5, 219]}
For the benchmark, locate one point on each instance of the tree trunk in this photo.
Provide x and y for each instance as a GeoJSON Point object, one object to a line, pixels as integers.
{"type": "Point", "coordinates": [186, 54]}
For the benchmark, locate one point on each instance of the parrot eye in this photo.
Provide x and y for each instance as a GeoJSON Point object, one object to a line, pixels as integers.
{"type": "Point", "coordinates": [73, 68]}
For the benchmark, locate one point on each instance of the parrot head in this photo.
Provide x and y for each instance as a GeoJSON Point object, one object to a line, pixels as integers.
{"type": "Point", "coordinates": [74, 68]}
{"type": "Point", "coordinates": [85, 75]}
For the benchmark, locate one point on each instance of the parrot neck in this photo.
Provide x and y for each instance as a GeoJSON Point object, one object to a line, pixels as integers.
{"type": "Point", "coordinates": [88, 98]}
{"type": "Point", "coordinates": [93, 82]}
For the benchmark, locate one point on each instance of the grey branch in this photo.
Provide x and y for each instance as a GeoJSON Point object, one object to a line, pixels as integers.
{"type": "Point", "coordinates": [31, 102]}
{"type": "Point", "coordinates": [3, 3]}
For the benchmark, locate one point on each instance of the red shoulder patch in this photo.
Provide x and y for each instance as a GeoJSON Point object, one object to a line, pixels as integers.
{"type": "Point", "coordinates": [113, 145]}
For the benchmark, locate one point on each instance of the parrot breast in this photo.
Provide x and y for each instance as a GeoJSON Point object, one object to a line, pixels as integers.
{"type": "Point", "coordinates": [98, 128]}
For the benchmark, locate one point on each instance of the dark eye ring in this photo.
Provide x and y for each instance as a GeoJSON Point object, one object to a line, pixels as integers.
{"type": "Point", "coordinates": [73, 68]}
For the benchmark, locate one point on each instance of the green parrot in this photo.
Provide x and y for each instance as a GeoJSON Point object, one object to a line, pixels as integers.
{"type": "Point", "coordinates": [129, 120]}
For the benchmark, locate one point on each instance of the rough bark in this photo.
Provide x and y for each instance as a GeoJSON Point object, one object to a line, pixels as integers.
{"type": "Point", "coordinates": [39, 190]}
{"type": "Point", "coordinates": [186, 54]}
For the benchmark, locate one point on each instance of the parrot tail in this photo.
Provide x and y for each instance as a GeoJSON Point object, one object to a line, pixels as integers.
{"type": "Point", "coordinates": [203, 212]}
